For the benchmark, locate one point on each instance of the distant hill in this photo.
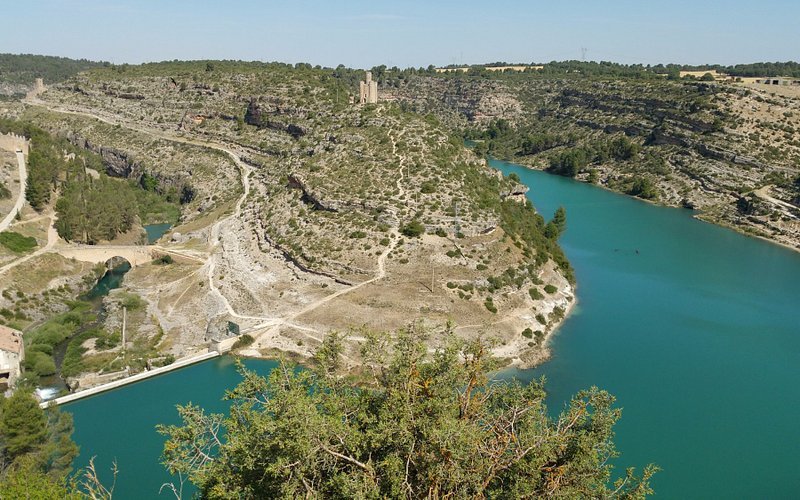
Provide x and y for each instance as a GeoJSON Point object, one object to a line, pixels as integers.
{"type": "Point", "coordinates": [18, 71]}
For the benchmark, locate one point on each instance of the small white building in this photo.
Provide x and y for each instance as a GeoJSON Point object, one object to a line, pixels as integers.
{"type": "Point", "coordinates": [12, 352]}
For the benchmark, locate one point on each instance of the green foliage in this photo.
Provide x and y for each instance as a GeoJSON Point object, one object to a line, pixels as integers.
{"type": "Point", "coordinates": [89, 209]}
{"type": "Point", "coordinates": [26, 481]}
{"type": "Point", "coordinates": [131, 301]}
{"type": "Point", "coordinates": [412, 229]}
{"type": "Point", "coordinates": [43, 339]}
{"type": "Point", "coordinates": [527, 333]}
{"type": "Point", "coordinates": [23, 425]}
{"type": "Point", "coordinates": [25, 68]}
{"type": "Point", "coordinates": [148, 182]}
{"type": "Point", "coordinates": [556, 227]}
{"type": "Point", "coordinates": [424, 426]}
{"type": "Point", "coordinates": [535, 294]}
{"type": "Point", "coordinates": [427, 187]}
{"type": "Point", "coordinates": [163, 260]}
{"type": "Point", "coordinates": [40, 363]}
{"type": "Point", "coordinates": [35, 446]}
{"type": "Point", "coordinates": [643, 187]}
{"type": "Point", "coordinates": [523, 222]}
{"type": "Point", "coordinates": [17, 242]}
{"type": "Point", "coordinates": [93, 210]}
{"type": "Point", "coordinates": [243, 341]}
{"type": "Point", "coordinates": [568, 163]}
{"type": "Point", "coordinates": [5, 193]}
{"type": "Point", "coordinates": [551, 289]}
{"type": "Point", "coordinates": [489, 304]}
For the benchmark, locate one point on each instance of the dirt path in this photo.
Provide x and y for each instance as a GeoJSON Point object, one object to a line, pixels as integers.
{"type": "Point", "coordinates": [381, 264]}
{"type": "Point", "coordinates": [787, 208]}
{"type": "Point", "coordinates": [217, 227]}
{"type": "Point", "coordinates": [266, 331]}
{"type": "Point", "coordinates": [52, 239]}
{"type": "Point", "coordinates": [23, 184]}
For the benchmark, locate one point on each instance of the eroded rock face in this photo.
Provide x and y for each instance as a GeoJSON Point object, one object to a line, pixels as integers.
{"type": "Point", "coordinates": [261, 116]}
{"type": "Point", "coordinates": [118, 163]}
{"type": "Point", "coordinates": [253, 115]}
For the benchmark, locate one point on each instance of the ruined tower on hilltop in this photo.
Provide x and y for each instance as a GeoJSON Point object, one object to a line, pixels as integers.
{"type": "Point", "coordinates": [38, 86]}
{"type": "Point", "coordinates": [368, 90]}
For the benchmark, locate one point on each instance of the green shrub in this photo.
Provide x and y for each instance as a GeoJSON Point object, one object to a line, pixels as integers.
{"type": "Point", "coordinates": [427, 187]}
{"type": "Point", "coordinates": [243, 341]}
{"type": "Point", "coordinates": [164, 260]}
{"type": "Point", "coordinates": [16, 242]}
{"type": "Point", "coordinates": [108, 341]}
{"type": "Point", "coordinates": [489, 303]}
{"type": "Point", "coordinates": [541, 319]}
{"type": "Point", "coordinates": [535, 294]}
{"type": "Point", "coordinates": [527, 333]}
{"type": "Point", "coordinates": [40, 363]}
{"type": "Point", "coordinates": [45, 348]}
{"type": "Point", "coordinates": [358, 234]}
{"type": "Point", "coordinates": [132, 301]}
{"type": "Point", "coordinates": [551, 289]}
{"type": "Point", "coordinates": [413, 229]}
{"type": "Point", "coordinates": [643, 187]}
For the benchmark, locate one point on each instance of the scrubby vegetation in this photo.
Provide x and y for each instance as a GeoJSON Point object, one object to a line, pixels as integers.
{"type": "Point", "coordinates": [92, 206]}
{"type": "Point", "coordinates": [23, 69]}
{"type": "Point", "coordinates": [406, 433]}
{"type": "Point", "coordinates": [17, 242]}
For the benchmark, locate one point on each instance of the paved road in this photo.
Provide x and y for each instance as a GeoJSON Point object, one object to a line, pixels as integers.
{"type": "Point", "coordinates": [23, 183]}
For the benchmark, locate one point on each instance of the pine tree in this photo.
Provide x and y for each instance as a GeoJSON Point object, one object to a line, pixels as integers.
{"type": "Point", "coordinates": [423, 426]}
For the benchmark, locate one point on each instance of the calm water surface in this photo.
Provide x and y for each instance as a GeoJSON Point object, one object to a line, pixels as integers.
{"type": "Point", "coordinates": [120, 425]}
{"type": "Point", "coordinates": [693, 327]}
{"type": "Point", "coordinates": [156, 231]}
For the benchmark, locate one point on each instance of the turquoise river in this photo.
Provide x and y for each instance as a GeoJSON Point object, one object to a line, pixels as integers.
{"type": "Point", "coordinates": [694, 328]}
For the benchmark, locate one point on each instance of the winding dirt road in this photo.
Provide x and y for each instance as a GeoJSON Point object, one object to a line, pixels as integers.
{"type": "Point", "coordinates": [266, 331]}
{"type": "Point", "coordinates": [23, 184]}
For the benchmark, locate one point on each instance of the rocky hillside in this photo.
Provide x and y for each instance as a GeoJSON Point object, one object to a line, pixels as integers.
{"type": "Point", "coordinates": [729, 150]}
{"type": "Point", "coordinates": [312, 213]}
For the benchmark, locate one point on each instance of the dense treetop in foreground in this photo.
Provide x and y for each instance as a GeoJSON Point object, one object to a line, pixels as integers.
{"type": "Point", "coordinates": [422, 426]}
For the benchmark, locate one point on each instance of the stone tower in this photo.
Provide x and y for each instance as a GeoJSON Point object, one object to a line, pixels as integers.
{"type": "Point", "coordinates": [38, 86]}
{"type": "Point", "coordinates": [368, 90]}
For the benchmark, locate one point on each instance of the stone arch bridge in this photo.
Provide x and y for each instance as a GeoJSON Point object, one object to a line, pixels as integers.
{"type": "Point", "coordinates": [135, 255]}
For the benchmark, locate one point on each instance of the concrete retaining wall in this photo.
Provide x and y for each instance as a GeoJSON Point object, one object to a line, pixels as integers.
{"type": "Point", "coordinates": [182, 363]}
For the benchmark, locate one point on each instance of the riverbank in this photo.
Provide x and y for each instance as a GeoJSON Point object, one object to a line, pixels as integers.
{"type": "Point", "coordinates": [753, 229]}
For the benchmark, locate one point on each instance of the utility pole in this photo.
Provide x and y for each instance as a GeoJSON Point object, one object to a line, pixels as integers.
{"type": "Point", "coordinates": [124, 321]}
{"type": "Point", "coordinates": [455, 219]}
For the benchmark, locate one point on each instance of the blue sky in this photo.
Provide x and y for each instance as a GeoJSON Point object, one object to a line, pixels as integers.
{"type": "Point", "coordinates": [363, 33]}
